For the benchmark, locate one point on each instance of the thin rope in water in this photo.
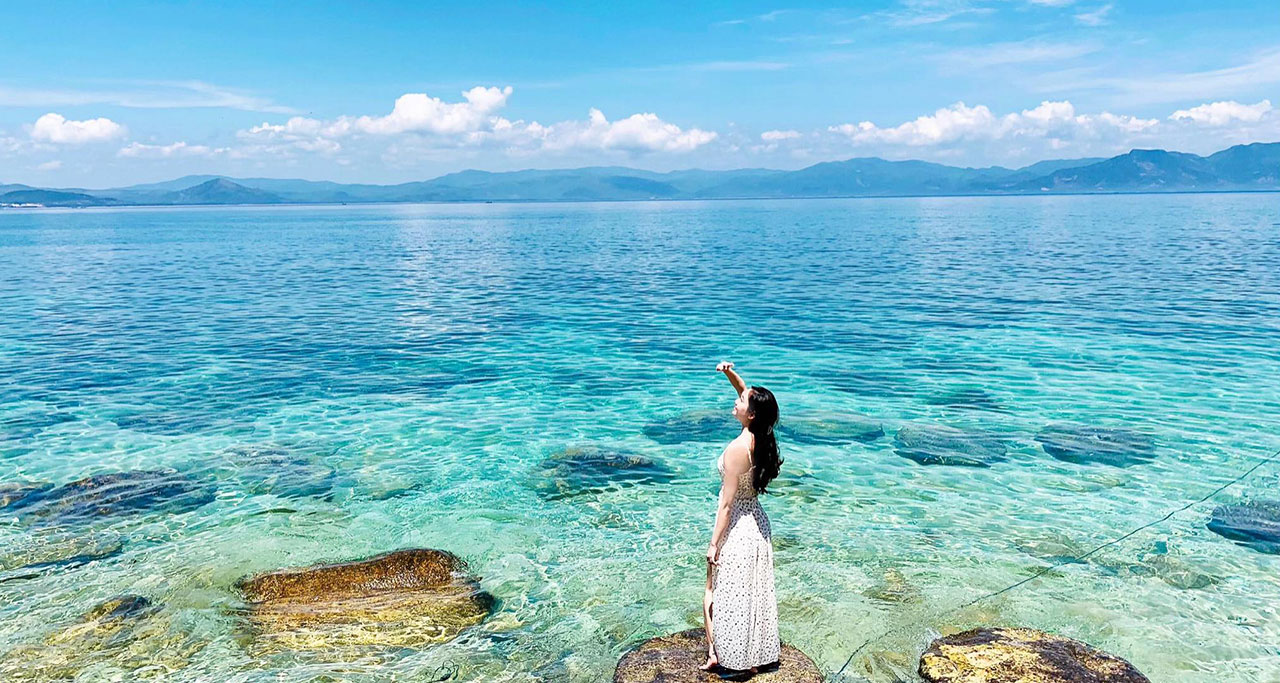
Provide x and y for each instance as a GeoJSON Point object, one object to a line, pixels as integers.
{"type": "Point", "coordinates": [1059, 565]}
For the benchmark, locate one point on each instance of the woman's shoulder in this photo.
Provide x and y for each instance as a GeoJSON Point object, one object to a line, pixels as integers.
{"type": "Point", "coordinates": [738, 452]}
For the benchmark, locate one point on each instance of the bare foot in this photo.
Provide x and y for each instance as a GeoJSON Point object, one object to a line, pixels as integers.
{"type": "Point", "coordinates": [712, 662]}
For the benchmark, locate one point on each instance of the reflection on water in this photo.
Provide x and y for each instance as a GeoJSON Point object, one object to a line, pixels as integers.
{"type": "Point", "coordinates": [191, 397]}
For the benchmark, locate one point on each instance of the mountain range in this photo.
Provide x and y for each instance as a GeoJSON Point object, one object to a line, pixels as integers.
{"type": "Point", "coordinates": [1252, 167]}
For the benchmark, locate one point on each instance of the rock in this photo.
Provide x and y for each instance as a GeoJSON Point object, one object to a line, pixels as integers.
{"type": "Point", "coordinates": [274, 470]}
{"type": "Point", "coordinates": [972, 398]}
{"type": "Point", "coordinates": [126, 634]}
{"type": "Point", "coordinates": [894, 589]}
{"type": "Point", "coordinates": [941, 445]}
{"type": "Point", "coordinates": [1255, 524]}
{"type": "Point", "coordinates": [118, 493]}
{"type": "Point", "coordinates": [1089, 444]}
{"type": "Point", "coordinates": [405, 598]}
{"type": "Point", "coordinates": [831, 430]}
{"type": "Point", "coordinates": [1021, 655]}
{"type": "Point", "coordinates": [592, 470]}
{"type": "Point", "coordinates": [15, 493]}
{"type": "Point", "coordinates": [59, 550]}
{"type": "Point", "coordinates": [675, 659]}
{"type": "Point", "coordinates": [699, 425]}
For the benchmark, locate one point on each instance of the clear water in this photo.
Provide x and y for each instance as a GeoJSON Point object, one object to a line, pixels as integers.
{"type": "Point", "coordinates": [434, 356]}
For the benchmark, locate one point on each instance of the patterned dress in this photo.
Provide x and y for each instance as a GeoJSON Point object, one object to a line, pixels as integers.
{"type": "Point", "coordinates": [744, 613]}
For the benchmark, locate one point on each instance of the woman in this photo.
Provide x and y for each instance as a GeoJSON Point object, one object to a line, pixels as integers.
{"type": "Point", "coordinates": [739, 610]}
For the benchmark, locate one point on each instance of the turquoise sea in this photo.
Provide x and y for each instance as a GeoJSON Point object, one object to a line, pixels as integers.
{"type": "Point", "coordinates": [411, 367]}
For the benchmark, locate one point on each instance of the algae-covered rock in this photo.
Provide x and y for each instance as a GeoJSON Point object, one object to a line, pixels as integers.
{"type": "Point", "coordinates": [118, 493]}
{"type": "Point", "coordinates": [698, 425]}
{"type": "Point", "coordinates": [58, 550]}
{"type": "Point", "coordinates": [1021, 655]}
{"type": "Point", "coordinates": [404, 598]}
{"type": "Point", "coordinates": [1084, 444]}
{"type": "Point", "coordinates": [893, 588]}
{"type": "Point", "coordinates": [128, 636]}
{"type": "Point", "coordinates": [675, 658]}
{"type": "Point", "coordinates": [589, 469]}
{"type": "Point", "coordinates": [14, 494]}
{"type": "Point", "coordinates": [1255, 524]}
{"type": "Point", "coordinates": [830, 430]}
{"type": "Point", "coordinates": [942, 445]}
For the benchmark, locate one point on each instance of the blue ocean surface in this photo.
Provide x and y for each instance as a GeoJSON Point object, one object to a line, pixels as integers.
{"type": "Point", "coordinates": [343, 381]}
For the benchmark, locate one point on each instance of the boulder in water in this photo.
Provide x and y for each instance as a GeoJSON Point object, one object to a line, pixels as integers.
{"type": "Point", "coordinates": [1084, 444]}
{"type": "Point", "coordinates": [592, 470]}
{"type": "Point", "coordinates": [404, 598]}
{"type": "Point", "coordinates": [127, 633]}
{"type": "Point", "coordinates": [57, 550]}
{"type": "Point", "coordinates": [274, 470]}
{"type": "Point", "coordinates": [1021, 655]}
{"type": "Point", "coordinates": [831, 430]}
{"type": "Point", "coordinates": [117, 493]}
{"type": "Point", "coordinates": [675, 659]}
{"type": "Point", "coordinates": [941, 445]}
{"type": "Point", "coordinates": [698, 425]}
{"type": "Point", "coordinates": [1255, 524]}
{"type": "Point", "coordinates": [14, 493]}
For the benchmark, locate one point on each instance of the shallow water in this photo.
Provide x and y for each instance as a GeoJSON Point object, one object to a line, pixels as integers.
{"type": "Point", "coordinates": [413, 367]}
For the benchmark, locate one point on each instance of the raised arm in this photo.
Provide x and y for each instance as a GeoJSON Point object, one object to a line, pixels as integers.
{"type": "Point", "coordinates": [734, 378]}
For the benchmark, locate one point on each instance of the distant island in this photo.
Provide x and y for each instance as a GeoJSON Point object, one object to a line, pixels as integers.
{"type": "Point", "coordinates": [1252, 167]}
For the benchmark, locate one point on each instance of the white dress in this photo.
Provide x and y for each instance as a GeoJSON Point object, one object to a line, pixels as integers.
{"type": "Point", "coordinates": [744, 612]}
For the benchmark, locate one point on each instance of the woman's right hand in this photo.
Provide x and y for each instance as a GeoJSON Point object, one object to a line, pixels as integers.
{"type": "Point", "coordinates": [724, 366]}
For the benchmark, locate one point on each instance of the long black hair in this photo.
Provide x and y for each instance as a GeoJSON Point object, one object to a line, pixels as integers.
{"type": "Point", "coordinates": [763, 408]}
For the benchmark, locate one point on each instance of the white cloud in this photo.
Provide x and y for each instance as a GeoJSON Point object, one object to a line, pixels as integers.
{"type": "Point", "coordinates": [1052, 3]}
{"type": "Point", "coordinates": [139, 150]}
{"type": "Point", "coordinates": [420, 112]}
{"type": "Point", "coordinates": [960, 122]}
{"type": "Point", "coordinates": [636, 133]}
{"type": "Point", "coordinates": [59, 130]}
{"type": "Point", "coordinates": [49, 165]}
{"type": "Point", "coordinates": [1097, 17]}
{"type": "Point", "coordinates": [474, 122]}
{"type": "Point", "coordinates": [776, 135]}
{"type": "Point", "coordinates": [1223, 113]}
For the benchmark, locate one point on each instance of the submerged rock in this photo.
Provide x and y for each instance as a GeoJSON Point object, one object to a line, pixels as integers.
{"type": "Point", "coordinates": [15, 493]}
{"type": "Point", "coordinates": [698, 425]}
{"type": "Point", "coordinates": [127, 633]}
{"type": "Point", "coordinates": [58, 550]}
{"type": "Point", "coordinates": [893, 588]}
{"type": "Point", "coordinates": [1255, 524]}
{"type": "Point", "coordinates": [1021, 655]}
{"type": "Point", "coordinates": [274, 470]}
{"type": "Point", "coordinates": [404, 598]}
{"type": "Point", "coordinates": [1090, 444]}
{"type": "Point", "coordinates": [941, 445]}
{"type": "Point", "coordinates": [675, 659]}
{"type": "Point", "coordinates": [117, 493]}
{"type": "Point", "coordinates": [591, 470]}
{"type": "Point", "coordinates": [831, 430]}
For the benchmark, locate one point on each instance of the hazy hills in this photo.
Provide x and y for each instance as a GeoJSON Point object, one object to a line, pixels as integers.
{"type": "Point", "coordinates": [1254, 167]}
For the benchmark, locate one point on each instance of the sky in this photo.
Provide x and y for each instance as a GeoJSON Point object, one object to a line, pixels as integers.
{"type": "Point", "coordinates": [106, 94]}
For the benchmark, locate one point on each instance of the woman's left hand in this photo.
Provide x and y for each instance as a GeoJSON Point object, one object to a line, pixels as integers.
{"type": "Point", "coordinates": [713, 554]}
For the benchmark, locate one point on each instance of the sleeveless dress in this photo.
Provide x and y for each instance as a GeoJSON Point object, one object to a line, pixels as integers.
{"type": "Point", "coordinates": [744, 612]}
